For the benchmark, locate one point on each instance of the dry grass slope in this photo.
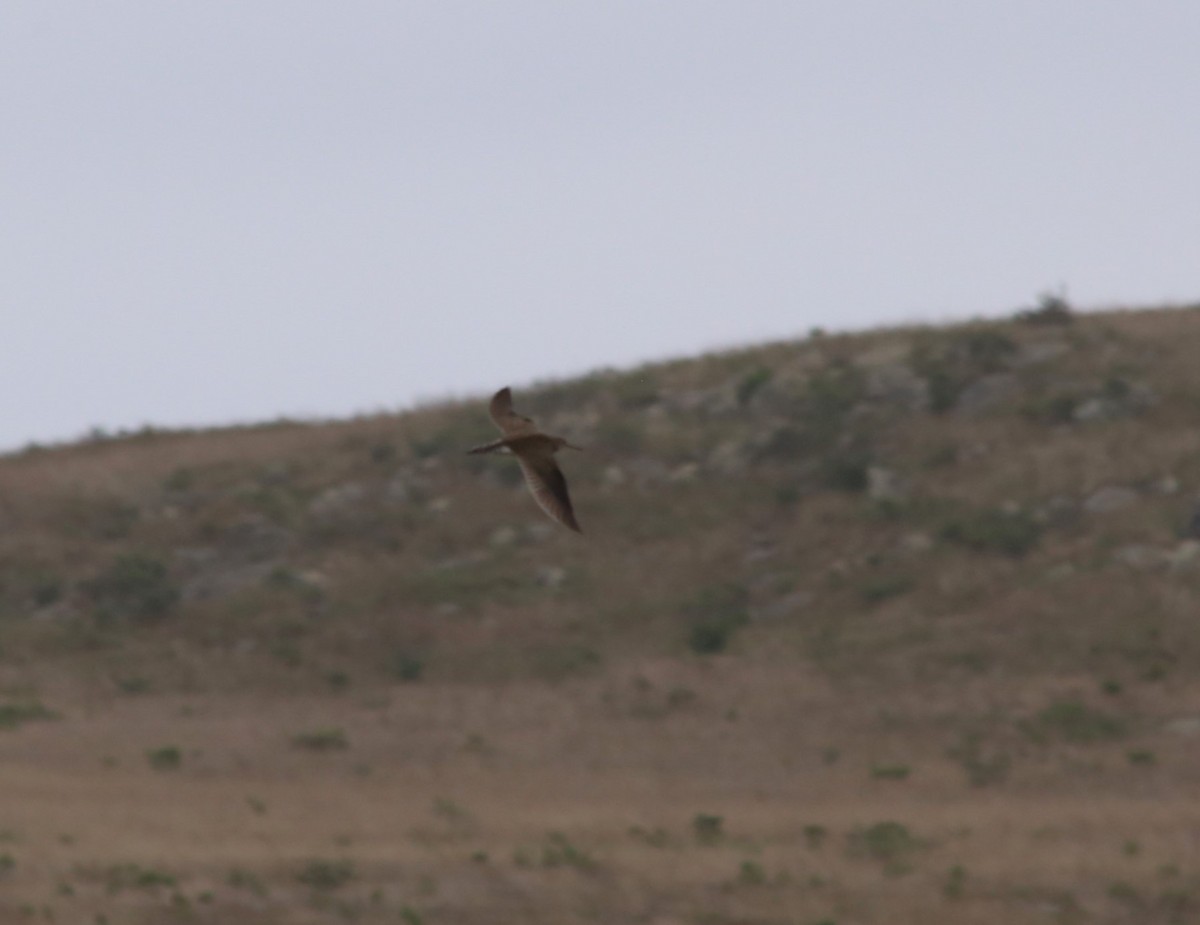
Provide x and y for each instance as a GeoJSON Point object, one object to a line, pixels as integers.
{"type": "Point", "coordinates": [891, 627]}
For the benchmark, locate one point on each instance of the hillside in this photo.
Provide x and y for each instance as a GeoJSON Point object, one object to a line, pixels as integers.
{"type": "Point", "coordinates": [894, 626]}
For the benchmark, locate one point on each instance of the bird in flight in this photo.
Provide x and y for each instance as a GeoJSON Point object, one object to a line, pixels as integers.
{"type": "Point", "coordinates": [535, 453]}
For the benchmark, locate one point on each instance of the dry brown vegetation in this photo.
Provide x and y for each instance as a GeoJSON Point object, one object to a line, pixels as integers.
{"type": "Point", "coordinates": [892, 627]}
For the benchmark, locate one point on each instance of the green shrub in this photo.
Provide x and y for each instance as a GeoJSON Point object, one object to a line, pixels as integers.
{"type": "Point", "coordinates": [956, 880]}
{"type": "Point", "coordinates": [133, 876]}
{"type": "Point", "coordinates": [1075, 722]}
{"type": "Point", "coordinates": [889, 842]}
{"type": "Point", "coordinates": [135, 586]}
{"type": "Point", "coordinates": [322, 740]}
{"type": "Point", "coordinates": [950, 365]}
{"type": "Point", "coordinates": [981, 766]}
{"type": "Point", "coordinates": [845, 470]}
{"type": "Point", "coordinates": [993, 530]}
{"type": "Point", "coordinates": [559, 852]}
{"type": "Point", "coordinates": [879, 588]}
{"type": "Point", "coordinates": [1051, 309]}
{"type": "Point", "coordinates": [166, 758]}
{"type": "Point", "coordinates": [749, 385]}
{"type": "Point", "coordinates": [16, 714]}
{"type": "Point", "coordinates": [890, 771]}
{"type": "Point", "coordinates": [1056, 408]}
{"type": "Point", "coordinates": [406, 666]}
{"type": "Point", "coordinates": [707, 827]}
{"type": "Point", "coordinates": [326, 875]}
{"type": "Point", "coordinates": [714, 614]}
{"type": "Point", "coordinates": [751, 873]}
{"type": "Point", "coordinates": [635, 390]}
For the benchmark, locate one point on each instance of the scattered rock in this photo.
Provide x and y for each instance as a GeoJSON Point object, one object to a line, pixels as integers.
{"type": "Point", "coordinates": [898, 385]}
{"type": "Point", "coordinates": [538, 532]}
{"type": "Point", "coordinates": [614, 475]}
{"type": "Point", "coordinates": [916, 542]}
{"type": "Point", "coordinates": [885, 485]}
{"type": "Point", "coordinates": [255, 539]}
{"type": "Point", "coordinates": [1184, 726]}
{"type": "Point", "coordinates": [687, 472]}
{"type": "Point", "coordinates": [551, 576]}
{"type": "Point", "coordinates": [503, 536]}
{"type": "Point", "coordinates": [1041, 351]}
{"type": "Point", "coordinates": [1168, 485]}
{"type": "Point", "coordinates": [1094, 409]}
{"type": "Point", "coordinates": [728, 457]}
{"type": "Point", "coordinates": [883, 356]}
{"type": "Point", "coordinates": [988, 393]}
{"type": "Point", "coordinates": [1127, 400]}
{"type": "Point", "coordinates": [1185, 556]}
{"type": "Point", "coordinates": [1057, 511]}
{"type": "Point", "coordinates": [1109, 498]}
{"type": "Point", "coordinates": [337, 502]}
{"type": "Point", "coordinates": [783, 607]}
{"type": "Point", "coordinates": [400, 489]}
{"type": "Point", "coordinates": [647, 471]}
{"type": "Point", "coordinates": [1141, 557]}
{"type": "Point", "coordinates": [221, 578]}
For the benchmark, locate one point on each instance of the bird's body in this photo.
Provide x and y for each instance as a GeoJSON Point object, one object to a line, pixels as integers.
{"type": "Point", "coordinates": [535, 453]}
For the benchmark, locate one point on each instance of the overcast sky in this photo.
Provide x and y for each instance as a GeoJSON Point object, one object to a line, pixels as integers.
{"type": "Point", "coordinates": [230, 211]}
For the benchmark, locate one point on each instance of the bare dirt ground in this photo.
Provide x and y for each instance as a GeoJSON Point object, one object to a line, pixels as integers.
{"type": "Point", "coordinates": [758, 796]}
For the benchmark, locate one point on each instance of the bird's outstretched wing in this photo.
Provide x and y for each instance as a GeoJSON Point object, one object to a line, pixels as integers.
{"type": "Point", "coordinates": [548, 487]}
{"type": "Point", "coordinates": [509, 422]}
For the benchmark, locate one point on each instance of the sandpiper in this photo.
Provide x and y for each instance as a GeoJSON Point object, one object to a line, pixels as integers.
{"type": "Point", "coordinates": [535, 452]}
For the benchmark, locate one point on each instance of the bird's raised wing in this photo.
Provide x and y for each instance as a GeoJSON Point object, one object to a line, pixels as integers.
{"type": "Point", "coordinates": [509, 422]}
{"type": "Point", "coordinates": [548, 487]}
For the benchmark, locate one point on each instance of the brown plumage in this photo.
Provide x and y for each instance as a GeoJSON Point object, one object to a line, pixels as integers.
{"type": "Point", "coordinates": [535, 453]}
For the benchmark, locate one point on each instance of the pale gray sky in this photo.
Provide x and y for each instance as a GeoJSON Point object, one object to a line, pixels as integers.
{"type": "Point", "coordinates": [229, 211]}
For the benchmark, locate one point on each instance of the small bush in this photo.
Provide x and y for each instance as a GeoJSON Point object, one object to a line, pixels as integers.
{"type": "Point", "coordinates": [749, 385]}
{"type": "Point", "coordinates": [981, 766]}
{"type": "Point", "coordinates": [949, 366]}
{"type": "Point", "coordinates": [166, 758]}
{"type": "Point", "coordinates": [956, 880]}
{"type": "Point", "coordinates": [890, 771]}
{"type": "Point", "coordinates": [241, 879]}
{"type": "Point", "coordinates": [635, 390]}
{"type": "Point", "coordinates": [751, 873]}
{"type": "Point", "coordinates": [326, 875]}
{"type": "Point", "coordinates": [406, 666]}
{"type": "Point", "coordinates": [708, 828]}
{"type": "Point", "coordinates": [879, 588]}
{"type": "Point", "coordinates": [559, 852]}
{"type": "Point", "coordinates": [845, 471]}
{"type": "Point", "coordinates": [13, 715]}
{"type": "Point", "coordinates": [135, 586]}
{"type": "Point", "coordinates": [815, 835]}
{"type": "Point", "coordinates": [322, 740]}
{"type": "Point", "coordinates": [133, 876]}
{"type": "Point", "coordinates": [715, 613]}
{"type": "Point", "coordinates": [1075, 722]}
{"type": "Point", "coordinates": [1051, 309]}
{"type": "Point", "coordinates": [993, 530]}
{"type": "Point", "coordinates": [889, 842]}
{"type": "Point", "coordinates": [1056, 408]}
